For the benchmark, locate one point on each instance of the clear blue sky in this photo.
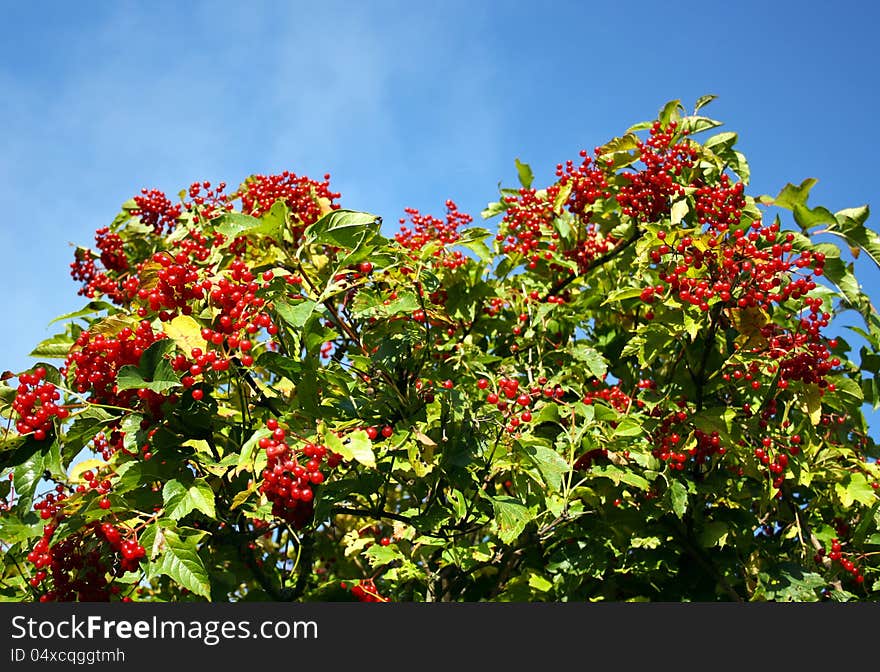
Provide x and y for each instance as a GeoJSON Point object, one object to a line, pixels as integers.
{"type": "Point", "coordinates": [406, 104]}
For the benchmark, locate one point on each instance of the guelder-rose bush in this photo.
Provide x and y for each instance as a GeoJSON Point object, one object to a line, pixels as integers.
{"type": "Point", "coordinates": [631, 388]}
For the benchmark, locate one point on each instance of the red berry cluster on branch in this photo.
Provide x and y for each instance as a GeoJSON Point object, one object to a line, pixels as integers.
{"type": "Point", "coordinates": [78, 565]}
{"type": "Point", "coordinates": [307, 199]}
{"type": "Point", "coordinates": [365, 591]}
{"type": "Point", "coordinates": [156, 210]}
{"type": "Point", "coordinates": [647, 193]}
{"type": "Point", "coordinates": [96, 358]}
{"type": "Point", "coordinates": [35, 403]}
{"type": "Point", "coordinates": [291, 474]}
{"type": "Point", "coordinates": [426, 229]}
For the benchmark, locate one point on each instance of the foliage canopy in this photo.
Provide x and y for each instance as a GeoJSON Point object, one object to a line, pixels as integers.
{"type": "Point", "coordinates": [631, 389]}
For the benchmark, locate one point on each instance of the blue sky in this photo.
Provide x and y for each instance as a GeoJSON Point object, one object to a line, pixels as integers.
{"type": "Point", "coordinates": [405, 104]}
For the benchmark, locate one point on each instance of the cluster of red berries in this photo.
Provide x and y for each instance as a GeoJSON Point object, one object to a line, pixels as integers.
{"type": "Point", "coordinates": [742, 276]}
{"type": "Point", "coordinates": [427, 229]}
{"type": "Point", "coordinates": [105, 445]}
{"type": "Point", "coordinates": [156, 210]}
{"type": "Point", "coordinates": [647, 193]}
{"type": "Point", "coordinates": [667, 441]}
{"type": "Point", "coordinates": [512, 400]}
{"type": "Point", "coordinates": [527, 226]}
{"type": "Point", "coordinates": [79, 563]}
{"type": "Point", "coordinates": [365, 591]}
{"type": "Point", "coordinates": [112, 250]}
{"type": "Point", "coordinates": [290, 475]}
{"type": "Point", "coordinates": [95, 482]}
{"type": "Point", "coordinates": [303, 196]}
{"type": "Point", "coordinates": [612, 396]}
{"type": "Point", "coordinates": [96, 358]}
{"type": "Point", "coordinates": [836, 555]}
{"type": "Point", "coordinates": [241, 313]}
{"type": "Point", "coordinates": [173, 289]}
{"type": "Point", "coordinates": [35, 404]}
{"type": "Point", "coordinates": [94, 282]}
{"type": "Point", "coordinates": [208, 202]}
{"type": "Point", "coordinates": [718, 207]}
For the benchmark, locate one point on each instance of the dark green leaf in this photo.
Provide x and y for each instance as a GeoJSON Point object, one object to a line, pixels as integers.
{"type": "Point", "coordinates": [512, 517]}
{"type": "Point", "coordinates": [26, 478]}
{"type": "Point", "coordinates": [678, 498]}
{"type": "Point", "coordinates": [181, 499]}
{"type": "Point", "coordinates": [180, 561]}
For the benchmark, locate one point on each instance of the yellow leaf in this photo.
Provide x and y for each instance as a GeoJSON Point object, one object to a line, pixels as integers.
{"type": "Point", "coordinates": [149, 274]}
{"type": "Point", "coordinates": [678, 211]}
{"type": "Point", "coordinates": [811, 403]}
{"type": "Point", "coordinates": [112, 325]}
{"type": "Point", "coordinates": [186, 332]}
{"type": "Point", "coordinates": [749, 322]}
{"type": "Point", "coordinates": [77, 470]}
{"type": "Point", "coordinates": [242, 497]}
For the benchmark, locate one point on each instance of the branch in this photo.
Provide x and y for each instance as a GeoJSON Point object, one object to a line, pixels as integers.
{"type": "Point", "coordinates": [347, 511]}
{"type": "Point", "coordinates": [595, 263]}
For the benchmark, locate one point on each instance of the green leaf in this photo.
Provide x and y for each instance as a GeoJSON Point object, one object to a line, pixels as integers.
{"type": "Point", "coordinates": [624, 143]}
{"type": "Point", "coordinates": [130, 378]}
{"type": "Point", "coordinates": [850, 226]}
{"type": "Point", "coordinates": [280, 364]}
{"type": "Point", "coordinates": [721, 142]}
{"type": "Point", "coordinates": [847, 389]}
{"type": "Point", "coordinates": [714, 534]}
{"type": "Point", "coordinates": [360, 448]}
{"type": "Point", "coordinates": [551, 465]}
{"type": "Point", "coordinates": [182, 499]}
{"type": "Point", "coordinates": [512, 517]}
{"type": "Point", "coordinates": [91, 308]}
{"type": "Point", "coordinates": [697, 124]}
{"type": "Point", "coordinates": [591, 357]}
{"type": "Point", "coordinates": [235, 224]}
{"type": "Point", "coordinates": [628, 427]}
{"type": "Point", "coordinates": [525, 174]}
{"type": "Point", "coordinates": [26, 478]}
{"type": "Point", "coordinates": [347, 229]}
{"type": "Point", "coordinates": [702, 101]}
{"type": "Point", "coordinates": [154, 372]}
{"type": "Point", "coordinates": [807, 217]}
{"type": "Point", "coordinates": [678, 498]}
{"type": "Point", "coordinates": [180, 561]}
{"type": "Point", "coordinates": [297, 314]}
{"type": "Point", "coordinates": [856, 488]}
{"type": "Point", "coordinates": [792, 195]}
{"type": "Point", "coordinates": [493, 209]}
{"type": "Point", "coordinates": [382, 555]}
{"type": "Point", "coordinates": [739, 165]}
{"type": "Point", "coordinates": [56, 347]}
{"type": "Point", "coordinates": [14, 529]}
{"type": "Point", "coordinates": [842, 276]}
{"type": "Point", "coordinates": [539, 583]}
{"type": "Point", "coordinates": [622, 294]}
{"type": "Point", "coordinates": [247, 456]}
{"type": "Point", "coordinates": [810, 402]}
{"type": "Point", "coordinates": [671, 111]}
